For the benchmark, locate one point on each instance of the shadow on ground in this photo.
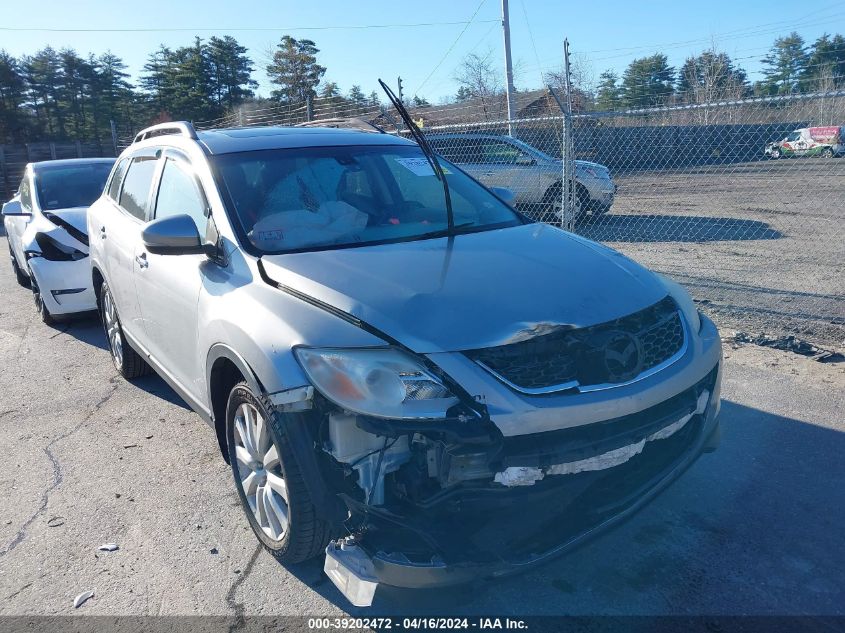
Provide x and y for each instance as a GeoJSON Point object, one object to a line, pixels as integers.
{"type": "Point", "coordinates": [752, 528]}
{"type": "Point", "coordinates": [88, 329]}
{"type": "Point", "coordinates": [675, 228]}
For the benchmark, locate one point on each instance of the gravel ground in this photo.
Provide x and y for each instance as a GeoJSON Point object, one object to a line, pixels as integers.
{"type": "Point", "coordinates": [762, 244]}
{"type": "Point", "coordinates": [754, 528]}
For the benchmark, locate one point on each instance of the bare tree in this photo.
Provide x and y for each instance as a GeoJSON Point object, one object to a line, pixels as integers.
{"type": "Point", "coordinates": [477, 74]}
{"type": "Point", "coordinates": [582, 78]}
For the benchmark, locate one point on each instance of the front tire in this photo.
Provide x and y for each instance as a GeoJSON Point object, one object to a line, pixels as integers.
{"type": "Point", "coordinates": [43, 312]}
{"type": "Point", "coordinates": [775, 154]}
{"type": "Point", "coordinates": [126, 360]}
{"type": "Point", "coordinates": [20, 276]}
{"type": "Point", "coordinates": [268, 480]}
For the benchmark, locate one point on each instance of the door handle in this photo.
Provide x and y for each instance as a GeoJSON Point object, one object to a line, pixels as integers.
{"type": "Point", "coordinates": [141, 260]}
{"type": "Point", "coordinates": [102, 232]}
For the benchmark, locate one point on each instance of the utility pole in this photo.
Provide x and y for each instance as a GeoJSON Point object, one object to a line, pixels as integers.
{"type": "Point", "coordinates": [399, 85]}
{"type": "Point", "coordinates": [506, 28]}
{"type": "Point", "coordinates": [570, 196]}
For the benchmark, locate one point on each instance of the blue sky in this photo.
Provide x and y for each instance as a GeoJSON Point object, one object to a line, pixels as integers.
{"type": "Point", "coordinates": [606, 34]}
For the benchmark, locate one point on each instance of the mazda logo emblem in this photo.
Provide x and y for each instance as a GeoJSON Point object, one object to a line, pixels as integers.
{"type": "Point", "coordinates": [623, 356]}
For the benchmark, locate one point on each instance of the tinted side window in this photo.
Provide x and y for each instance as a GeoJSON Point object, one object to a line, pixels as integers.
{"type": "Point", "coordinates": [117, 179]}
{"type": "Point", "coordinates": [178, 193]}
{"type": "Point", "coordinates": [458, 150]}
{"type": "Point", "coordinates": [136, 186]}
{"type": "Point", "coordinates": [499, 153]}
{"type": "Point", "coordinates": [26, 194]}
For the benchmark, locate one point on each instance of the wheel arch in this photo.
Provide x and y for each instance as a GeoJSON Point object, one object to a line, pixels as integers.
{"type": "Point", "coordinates": [97, 280]}
{"type": "Point", "coordinates": [224, 369]}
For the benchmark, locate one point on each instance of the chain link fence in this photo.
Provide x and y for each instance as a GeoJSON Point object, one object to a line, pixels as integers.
{"type": "Point", "coordinates": [741, 201]}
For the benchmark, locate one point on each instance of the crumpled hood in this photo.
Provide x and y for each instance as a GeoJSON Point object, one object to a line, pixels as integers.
{"type": "Point", "coordinates": [75, 216]}
{"type": "Point", "coordinates": [477, 290]}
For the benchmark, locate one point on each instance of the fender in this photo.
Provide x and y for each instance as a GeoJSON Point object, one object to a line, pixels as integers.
{"type": "Point", "coordinates": [221, 350]}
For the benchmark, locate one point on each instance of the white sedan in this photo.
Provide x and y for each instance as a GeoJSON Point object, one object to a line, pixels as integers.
{"type": "Point", "coordinates": [46, 228]}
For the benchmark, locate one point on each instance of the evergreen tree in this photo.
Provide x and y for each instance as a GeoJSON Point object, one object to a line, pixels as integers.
{"type": "Point", "coordinates": [825, 68]}
{"type": "Point", "coordinates": [13, 122]}
{"type": "Point", "coordinates": [784, 66]}
{"type": "Point", "coordinates": [231, 71]}
{"type": "Point", "coordinates": [295, 70]}
{"type": "Point", "coordinates": [711, 76]}
{"type": "Point", "coordinates": [608, 92]}
{"type": "Point", "coordinates": [648, 82]}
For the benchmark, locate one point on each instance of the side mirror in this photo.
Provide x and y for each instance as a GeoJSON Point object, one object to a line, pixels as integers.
{"type": "Point", "coordinates": [506, 195]}
{"type": "Point", "coordinates": [174, 235]}
{"type": "Point", "coordinates": [525, 161]}
{"type": "Point", "coordinates": [13, 208]}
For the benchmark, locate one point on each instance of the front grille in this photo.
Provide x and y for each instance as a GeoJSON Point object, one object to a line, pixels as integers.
{"type": "Point", "coordinates": [607, 353]}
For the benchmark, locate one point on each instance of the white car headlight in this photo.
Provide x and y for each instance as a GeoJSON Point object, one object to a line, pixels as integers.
{"type": "Point", "coordinates": [684, 301]}
{"type": "Point", "coordinates": [381, 382]}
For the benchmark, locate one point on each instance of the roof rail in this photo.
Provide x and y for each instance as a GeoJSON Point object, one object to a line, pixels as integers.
{"type": "Point", "coordinates": [183, 128]}
{"type": "Point", "coordinates": [352, 123]}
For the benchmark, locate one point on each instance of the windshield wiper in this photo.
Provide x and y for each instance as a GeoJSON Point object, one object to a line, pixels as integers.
{"type": "Point", "coordinates": [426, 148]}
{"type": "Point", "coordinates": [444, 232]}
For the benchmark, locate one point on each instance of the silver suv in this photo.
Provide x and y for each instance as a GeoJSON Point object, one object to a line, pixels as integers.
{"type": "Point", "coordinates": [533, 176]}
{"type": "Point", "coordinates": [398, 362]}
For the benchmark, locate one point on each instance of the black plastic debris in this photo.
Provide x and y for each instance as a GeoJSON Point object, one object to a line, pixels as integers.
{"type": "Point", "coordinates": [791, 344]}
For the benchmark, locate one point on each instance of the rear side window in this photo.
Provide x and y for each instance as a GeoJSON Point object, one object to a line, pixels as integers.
{"type": "Point", "coordinates": [117, 179]}
{"type": "Point", "coordinates": [458, 150]}
{"type": "Point", "coordinates": [136, 186]}
{"type": "Point", "coordinates": [178, 193]}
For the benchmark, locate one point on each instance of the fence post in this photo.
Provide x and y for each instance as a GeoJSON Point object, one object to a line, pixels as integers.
{"type": "Point", "coordinates": [113, 136]}
{"type": "Point", "coordinates": [309, 109]}
{"type": "Point", "coordinates": [569, 192]}
{"type": "Point", "coordinates": [52, 150]}
{"type": "Point", "coordinates": [3, 171]}
{"type": "Point", "coordinates": [78, 149]}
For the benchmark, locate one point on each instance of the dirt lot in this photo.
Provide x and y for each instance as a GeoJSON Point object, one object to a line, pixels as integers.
{"type": "Point", "coordinates": [754, 528]}
{"type": "Point", "coordinates": [762, 244]}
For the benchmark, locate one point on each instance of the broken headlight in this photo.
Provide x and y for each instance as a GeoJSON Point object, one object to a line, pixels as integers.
{"type": "Point", "coordinates": [684, 301]}
{"type": "Point", "coordinates": [381, 382]}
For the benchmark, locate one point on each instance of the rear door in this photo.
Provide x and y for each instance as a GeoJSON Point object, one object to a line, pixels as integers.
{"type": "Point", "coordinates": [508, 166]}
{"type": "Point", "coordinates": [168, 286]}
{"type": "Point", "coordinates": [120, 235]}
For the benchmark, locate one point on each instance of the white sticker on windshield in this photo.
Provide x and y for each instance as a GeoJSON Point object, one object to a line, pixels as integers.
{"type": "Point", "coordinates": [419, 166]}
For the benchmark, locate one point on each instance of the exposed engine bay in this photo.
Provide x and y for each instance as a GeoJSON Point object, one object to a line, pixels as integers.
{"type": "Point", "coordinates": [427, 497]}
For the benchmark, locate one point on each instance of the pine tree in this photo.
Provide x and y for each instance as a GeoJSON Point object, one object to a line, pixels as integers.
{"type": "Point", "coordinates": [295, 70]}
{"type": "Point", "coordinates": [13, 122]}
{"type": "Point", "coordinates": [784, 66]}
{"type": "Point", "coordinates": [648, 82]}
{"type": "Point", "coordinates": [825, 68]}
{"type": "Point", "coordinates": [608, 92]}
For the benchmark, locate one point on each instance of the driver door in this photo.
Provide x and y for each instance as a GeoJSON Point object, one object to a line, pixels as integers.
{"type": "Point", "coordinates": [168, 286]}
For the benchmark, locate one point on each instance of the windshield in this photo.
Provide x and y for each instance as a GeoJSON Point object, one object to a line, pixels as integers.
{"type": "Point", "coordinates": [68, 186]}
{"type": "Point", "coordinates": [306, 198]}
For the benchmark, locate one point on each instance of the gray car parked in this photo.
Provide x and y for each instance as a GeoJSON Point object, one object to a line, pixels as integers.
{"type": "Point", "coordinates": [534, 176]}
{"type": "Point", "coordinates": [410, 378]}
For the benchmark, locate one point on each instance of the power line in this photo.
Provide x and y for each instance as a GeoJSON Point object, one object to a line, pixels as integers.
{"type": "Point", "coordinates": [243, 29]}
{"type": "Point", "coordinates": [531, 37]}
{"type": "Point", "coordinates": [449, 50]}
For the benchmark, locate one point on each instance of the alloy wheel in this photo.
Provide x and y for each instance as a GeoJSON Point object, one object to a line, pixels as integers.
{"type": "Point", "coordinates": [259, 471]}
{"type": "Point", "coordinates": [112, 326]}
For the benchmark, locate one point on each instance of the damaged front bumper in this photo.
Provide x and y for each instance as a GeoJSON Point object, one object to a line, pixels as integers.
{"type": "Point", "coordinates": [577, 483]}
